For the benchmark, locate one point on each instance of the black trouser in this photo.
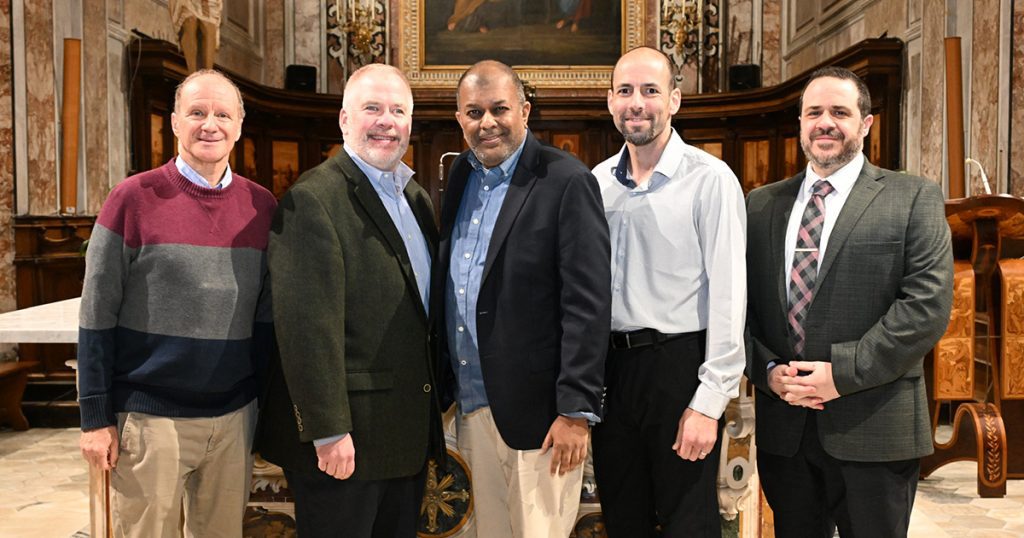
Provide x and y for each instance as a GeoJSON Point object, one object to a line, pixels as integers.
{"type": "Point", "coordinates": [327, 507]}
{"type": "Point", "coordinates": [812, 492]}
{"type": "Point", "coordinates": [640, 480]}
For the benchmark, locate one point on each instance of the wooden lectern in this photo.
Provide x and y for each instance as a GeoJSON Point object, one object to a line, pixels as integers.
{"type": "Point", "coordinates": [978, 365]}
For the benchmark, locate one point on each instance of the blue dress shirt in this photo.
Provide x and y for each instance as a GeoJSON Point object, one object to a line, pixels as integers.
{"type": "Point", "coordinates": [198, 179]}
{"type": "Point", "coordinates": [471, 235]}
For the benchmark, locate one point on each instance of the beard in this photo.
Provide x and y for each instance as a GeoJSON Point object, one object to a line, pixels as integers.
{"type": "Point", "coordinates": [643, 136]}
{"type": "Point", "coordinates": [849, 149]}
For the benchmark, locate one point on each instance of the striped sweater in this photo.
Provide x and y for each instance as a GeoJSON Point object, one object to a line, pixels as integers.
{"type": "Point", "coordinates": [175, 318]}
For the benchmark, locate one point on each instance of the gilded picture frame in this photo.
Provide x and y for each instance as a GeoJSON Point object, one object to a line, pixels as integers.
{"type": "Point", "coordinates": [549, 48]}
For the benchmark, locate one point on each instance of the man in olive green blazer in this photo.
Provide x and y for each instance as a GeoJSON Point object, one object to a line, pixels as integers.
{"type": "Point", "coordinates": [351, 402]}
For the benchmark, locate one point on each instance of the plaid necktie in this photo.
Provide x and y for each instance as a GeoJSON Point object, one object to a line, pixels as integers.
{"type": "Point", "coordinates": [805, 263]}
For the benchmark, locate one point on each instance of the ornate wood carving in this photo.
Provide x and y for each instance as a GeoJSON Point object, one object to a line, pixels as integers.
{"type": "Point", "coordinates": [978, 433]}
{"type": "Point", "coordinates": [1012, 273]}
{"type": "Point", "coordinates": [954, 354]}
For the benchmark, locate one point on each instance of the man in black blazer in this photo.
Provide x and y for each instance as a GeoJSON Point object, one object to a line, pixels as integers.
{"type": "Point", "coordinates": [850, 284]}
{"type": "Point", "coordinates": [523, 278]}
{"type": "Point", "coordinates": [351, 401]}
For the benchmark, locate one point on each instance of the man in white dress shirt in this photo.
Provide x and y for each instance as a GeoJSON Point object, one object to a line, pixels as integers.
{"type": "Point", "coordinates": [677, 223]}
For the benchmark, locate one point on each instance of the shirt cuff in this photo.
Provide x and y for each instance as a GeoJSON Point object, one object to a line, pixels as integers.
{"type": "Point", "coordinates": [329, 440]}
{"type": "Point", "coordinates": [708, 402]}
{"type": "Point", "coordinates": [591, 417]}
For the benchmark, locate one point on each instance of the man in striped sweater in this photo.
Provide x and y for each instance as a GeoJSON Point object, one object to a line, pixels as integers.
{"type": "Point", "coordinates": [174, 319]}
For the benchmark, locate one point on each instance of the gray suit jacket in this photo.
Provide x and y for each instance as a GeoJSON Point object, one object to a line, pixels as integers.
{"type": "Point", "coordinates": [883, 297]}
{"type": "Point", "coordinates": [352, 330]}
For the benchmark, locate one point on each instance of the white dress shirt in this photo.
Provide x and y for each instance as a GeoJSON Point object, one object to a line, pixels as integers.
{"type": "Point", "coordinates": [679, 259]}
{"type": "Point", "coordinates": [842, 183]}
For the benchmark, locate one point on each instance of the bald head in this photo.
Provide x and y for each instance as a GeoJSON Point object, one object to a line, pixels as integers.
{"type": "Point", "coordinates": [490, 73]}
{"type": "Point", "coordinates": [652, 58]}
{"type": "Point", "coordinates": [359, 79]}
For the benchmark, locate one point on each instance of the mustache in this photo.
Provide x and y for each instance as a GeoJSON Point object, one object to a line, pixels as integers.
{"type": "Point", "coordinates": [829, 132]}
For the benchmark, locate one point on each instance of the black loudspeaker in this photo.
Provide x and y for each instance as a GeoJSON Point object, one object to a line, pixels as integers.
{"type": "Point", "coordinates": [744, 77]}
{"type": "Point", "coordinates": [300, 78]}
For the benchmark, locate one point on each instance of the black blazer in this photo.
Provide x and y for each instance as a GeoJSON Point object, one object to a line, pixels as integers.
{"type": "Point", "coordinates": [883, 297]}
{"type": "Point", "coordinates": [544, 308]}
{"type": "Point", "coordinates": [354, 352]}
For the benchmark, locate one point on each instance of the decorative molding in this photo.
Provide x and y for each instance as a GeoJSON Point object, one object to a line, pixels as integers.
{"type": "Point", "coordinates": [954, 353]}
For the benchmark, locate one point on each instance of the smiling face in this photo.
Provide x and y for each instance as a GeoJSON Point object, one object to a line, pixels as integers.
{"type": "Point", "coordinates": [643, 97]}
{"type": "Point", "coordinates": [207, 122]}
{"type": "Point", "coordinates": [376, 116]}
{"type": "Point", "coordinates": [832, 130]}
{"type": "Point", "coordinates": [492, 117]}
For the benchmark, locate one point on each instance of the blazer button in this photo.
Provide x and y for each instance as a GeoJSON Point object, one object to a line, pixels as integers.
{"type": "Point", "coordinates": [426, 387]}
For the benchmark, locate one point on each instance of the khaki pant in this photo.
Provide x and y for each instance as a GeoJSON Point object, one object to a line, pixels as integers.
{"type": "Point", "coordinates": [203, 465]}
{"type": "Point", "coordinates": [514, 493]}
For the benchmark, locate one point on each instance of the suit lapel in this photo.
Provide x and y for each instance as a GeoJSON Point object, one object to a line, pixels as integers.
{"type": "Point", "coordinates": [519, 189]}
{"type": "Point", "coordinates": [864, 191]}
{"type": "Point", "coordinates": [782, 208]}
{"type": "Point", "coordinates": [371, 203]}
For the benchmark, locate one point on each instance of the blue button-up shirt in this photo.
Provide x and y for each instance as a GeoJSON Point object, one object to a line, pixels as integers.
{"type": "Point", "coordinates": [471, 235]}
{"type": "Point", "coordinates": [198, 179]}
{"type": "Point", "coordinates": [390, 187]}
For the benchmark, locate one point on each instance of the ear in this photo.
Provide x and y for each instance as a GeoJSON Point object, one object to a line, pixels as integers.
{"type": "Point", "coordinates": [526, 113]}
{"type": "Point", "coordinates": [611, 95]}
{"type": "Point", "coordinates": [174, 124]}
{"type": "Point", "coordinates": [342, 121]}
{"type": "Point", "coordinates": [675, 99]}
{"type": "Point", "coordinates": [869, 120]}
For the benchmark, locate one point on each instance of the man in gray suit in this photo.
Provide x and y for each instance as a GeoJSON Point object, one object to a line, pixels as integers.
{"type": "Point", "coordinates": [850, 284]}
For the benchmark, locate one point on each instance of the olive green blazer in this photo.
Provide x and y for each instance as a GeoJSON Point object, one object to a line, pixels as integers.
{"type": "Point", "coordinates": [351, 328]}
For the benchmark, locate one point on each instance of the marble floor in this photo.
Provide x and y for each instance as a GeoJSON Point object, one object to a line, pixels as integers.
{"type": "Point", "coordinates": [43, 488]}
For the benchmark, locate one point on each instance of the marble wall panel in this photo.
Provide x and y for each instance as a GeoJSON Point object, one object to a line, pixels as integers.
{"type": "Point", "coordinates": [40, 106]}
{"type": "Point", "coordinates": [7, 278]}
{"type": "Point", "coordinates": [933, 81]}
{"type": "Point", "coordinates": [739, 48]}
{"type": "Point", "coordinates": [1016, 172]}
{"type": "Point", "coordinates": [771, 59]}
{"type": "Point", "coordinates": [151, 17]}
{"type": "Point", "coordinates": [273, 48]}
{"type": "Point", "coordinates": [307, 34]}
{"type": "Point", "coordinates": [94, 62]}
{"type": "Point", "coordinates": [984, 98]}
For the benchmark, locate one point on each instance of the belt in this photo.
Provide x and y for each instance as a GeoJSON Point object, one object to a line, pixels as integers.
{"type": "Point", "coordinates": [640, 338]}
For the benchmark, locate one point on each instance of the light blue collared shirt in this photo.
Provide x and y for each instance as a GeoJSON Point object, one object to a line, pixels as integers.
{"type": "Point", "coordinates": [390, 187]}
{"type": "Point", "coordinates": [471, 236]}
{"type": "Point", "coordinates": [198, 179]}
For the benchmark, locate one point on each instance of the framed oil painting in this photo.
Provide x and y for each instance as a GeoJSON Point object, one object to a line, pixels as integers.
{"type": "Point", "coordinates": [551, 43]}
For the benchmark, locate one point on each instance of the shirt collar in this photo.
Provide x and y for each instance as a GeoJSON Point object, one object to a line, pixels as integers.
{"type": "Point", "coordinates": [390, 183]}
{"type": "Point", "coordinates": [842, 180]}
{"type": "Point", "coordinates": [667, 165]}
{"type": "Point", "coordinates": [506, 167]}
{"type": "Point", "coordinates": [197, 178]}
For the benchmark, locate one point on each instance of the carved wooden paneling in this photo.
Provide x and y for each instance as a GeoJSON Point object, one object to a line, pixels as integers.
{"type": "Point", "coordinates": [1012, 273]}
{"type": "Point", "coordinates": [954, 354]}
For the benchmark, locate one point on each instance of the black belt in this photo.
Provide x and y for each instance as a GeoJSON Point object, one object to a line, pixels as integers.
{"type": "Point", "coordinates": [640, 338]}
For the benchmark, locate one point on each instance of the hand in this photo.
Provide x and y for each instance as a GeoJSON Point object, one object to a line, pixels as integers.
{"type": "Point", "coordinates": [100, 447]}
{"type": "Point", "coordinates": [337, 459]}
{"type": "Point", "coordinates": [696, 436]}
{"type": "Point", "coordinates": [569, 437]}
{"type": "Point", "coordinates": [813, 388]}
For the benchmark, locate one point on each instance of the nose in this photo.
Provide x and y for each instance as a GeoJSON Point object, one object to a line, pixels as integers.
{"type": "Point", "coordinates": [488, 121]}
{"type": "Point", "coordinates": [636, 101]}
{"type": "Point", "coordinates": [826, 121]}
{"type": "Point", "coordinates": [209, 122]}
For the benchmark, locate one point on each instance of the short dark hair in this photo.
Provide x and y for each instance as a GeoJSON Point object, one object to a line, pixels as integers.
{"type": "Point", "coordinates": [517, 83]}
{"type": "Point", "coordinates": [842, 73]}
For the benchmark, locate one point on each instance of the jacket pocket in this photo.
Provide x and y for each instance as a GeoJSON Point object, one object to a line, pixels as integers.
{"type": "Point", "coordinates": [370, 380]}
